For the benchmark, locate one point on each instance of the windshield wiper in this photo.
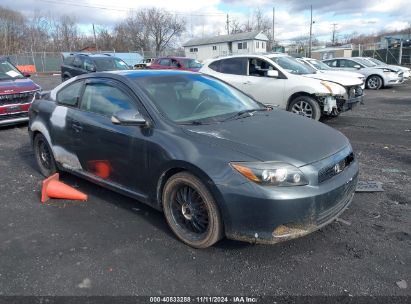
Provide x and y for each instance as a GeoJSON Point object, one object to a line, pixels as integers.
{"type": "Point", "coordinates": [241, 113]}
{"type": "Point", "coordinates": [192, 122]}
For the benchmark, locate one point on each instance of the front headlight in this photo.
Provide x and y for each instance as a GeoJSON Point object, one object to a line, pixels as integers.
{"type": "Point", "coordinates": [333, 88]}
{"type": "Point", "coordinates": [271, 173]}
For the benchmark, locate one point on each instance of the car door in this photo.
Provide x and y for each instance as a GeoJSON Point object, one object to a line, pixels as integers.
{"type": "Point", "coordinates": [267, 90]}
{"type": "Point", "coordinates": [231, 70]}
{"type": "Point", "coordinates": [111, 152]}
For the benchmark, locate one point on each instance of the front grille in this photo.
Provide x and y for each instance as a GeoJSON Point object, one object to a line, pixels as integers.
{"type": "Point", "coordinates": [334, 169]}
{"type": "Point", "coordinates": [13, 116]}
{"type": "Point", "coordinates": [18, 98]}
{"type": "Point", "coordinates": [354, 91]}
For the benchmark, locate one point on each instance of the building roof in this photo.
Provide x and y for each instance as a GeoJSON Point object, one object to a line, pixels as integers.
{"type": "Point", "coordinates": [255, 35]}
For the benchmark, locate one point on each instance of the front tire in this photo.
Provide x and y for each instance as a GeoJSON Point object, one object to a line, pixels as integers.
{"type": "Point", "coordinates": [374, 82]}
{"type": "Point", "coordinates": [191, 211]}
{"type": "Point", "coordinates": [305, 106]}
{"type": "Point", "coordinates": [44, 156]}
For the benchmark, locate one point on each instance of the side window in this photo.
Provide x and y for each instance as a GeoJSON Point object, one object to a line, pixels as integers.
{"type": "Point", "coordinates": [104, 99]}
{"type": "Point", "coordinates": [70, 94]}
{"type": "Point", "coordinates": [350, 63]}
{"type": "Point", "coordinates": [77, 62]}
{"type": "Point", "coordinates": [236, 66]}
{"type": "Point", "coordinates": [88, 64]}
{"type": "Point", "coordinates": [258, 67]}
{"type": "Point", "coordinates": [215, 65]}
{"type": "Point", "coordinates": [165, 62]}
{"type": "Point", "coordinates": [332, 63]}
{"type": "Point", "coordinates": [174, 63]}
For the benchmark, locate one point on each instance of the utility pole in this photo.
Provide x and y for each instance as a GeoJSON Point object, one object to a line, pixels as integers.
{"type": "Point", "coordinates": [95, 40]}
{"type": "Point", "coordinates": [334, 32]}
{"type": "Point", "coordinates": [311, 31]}
{"type": "Point", "coordinates": [228, 25]}
{"type": "Point", "coordinates": [273, 27]}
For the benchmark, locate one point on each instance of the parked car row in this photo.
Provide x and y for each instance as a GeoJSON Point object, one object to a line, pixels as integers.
{"type": "Point", "coordinates": [377, 74]}
{"type": "Point", "coordinates": [283, 81]}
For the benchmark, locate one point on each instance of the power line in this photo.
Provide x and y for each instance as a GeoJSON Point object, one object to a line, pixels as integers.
{"type": "Point", "coordinates": [120, 9]}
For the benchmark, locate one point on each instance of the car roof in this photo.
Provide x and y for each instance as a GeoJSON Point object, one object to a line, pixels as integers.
{"type": "Point", "coordinates": [144, 73]}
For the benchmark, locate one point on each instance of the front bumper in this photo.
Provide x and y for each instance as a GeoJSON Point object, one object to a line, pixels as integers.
{"type": "Point", "coordinates": [261, 214]}
{"type": "Point", "coordinates": [351, 103]}
{"type": "Point", "coordinates": [393, 80]}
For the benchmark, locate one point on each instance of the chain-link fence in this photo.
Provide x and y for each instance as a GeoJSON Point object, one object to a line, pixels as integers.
{"type": "Point", "coordinates": [49, 62]}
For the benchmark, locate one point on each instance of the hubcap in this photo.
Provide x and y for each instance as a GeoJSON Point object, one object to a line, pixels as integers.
{"type": "Point", "coordinates": [44, 153]}
{"type": "Point", "coordinates": [189, 210]}
{"type": "Point", "coordinates": [373, 82]}
{"type": "Point", "coordinates": [303, 108]}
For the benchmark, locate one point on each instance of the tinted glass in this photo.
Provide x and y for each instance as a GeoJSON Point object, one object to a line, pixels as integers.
{"type": "Point", "coordinates": [215, 65]}
{"type": "Point", "coordinates": [331, 63]}
{"type": "Point", "coordinates": [165, 62]}
{"type": "Point", "coordinates": [104, 99]}
{"type": "Point", "coordinates": [7, 70]}
{"type": "Point", "coordinates": [186, 98]}
{"type": "Point", "coordinates": [236, 66]}
{"type": "Point", "coordinates": [69, 94]}
{"type": "Point", "coordinates": [77, 62]}
{"type": "Point", "coordinates": [191, 63]}
{"type": "Point", "coordinates": [347, 63]}
{"type": "Point", "coordinates": [109, 64]}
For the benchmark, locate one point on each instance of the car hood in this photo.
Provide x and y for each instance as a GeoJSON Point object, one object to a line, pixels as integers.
{"type": "Point", "coordinates": [343, 73]}
{"type": "Point", "coordinates": [342, 80]}
{"type": "Point", "coordinates": [13, 86]}
{"type": "Point", "coordinates": [274, 135]}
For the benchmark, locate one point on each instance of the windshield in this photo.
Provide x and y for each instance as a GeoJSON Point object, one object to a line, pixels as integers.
{"type": "Point", "coordinates": [195, 98]}
{"type": "Point", "coordinates": [319, 65]}
{"type": "Point", "coordinates": [376, 61]}
{"type": "Point", "coordinates": [110, 64]}
{"type": "Point", "coordinates": [292, 65]}
{"type": "Point", "coordinates": [7, 71]}
{"type": "Point", "coordinates": [191, 63]}
{"type": "Point", "coordinates": [365, 62]}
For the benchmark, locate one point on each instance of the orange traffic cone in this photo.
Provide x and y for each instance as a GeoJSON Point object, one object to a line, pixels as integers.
{"type": "Point", "coordinates": [53, 188]}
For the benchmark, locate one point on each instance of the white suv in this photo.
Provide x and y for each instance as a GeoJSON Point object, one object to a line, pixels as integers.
{"type": "Point", "coordinates": [280, 80]}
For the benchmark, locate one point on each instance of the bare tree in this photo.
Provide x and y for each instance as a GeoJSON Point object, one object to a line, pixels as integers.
{"type": "Point", "coordinates": [12, 25]}
{"type": "Point", "coordinates": [162, 27]}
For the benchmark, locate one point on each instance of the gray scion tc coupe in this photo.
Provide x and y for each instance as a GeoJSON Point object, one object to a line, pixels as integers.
{"type": "Point", "coordinates": [216, 162]}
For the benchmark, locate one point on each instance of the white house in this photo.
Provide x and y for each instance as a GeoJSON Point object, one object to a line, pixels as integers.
{"type": "Point", "coordinates": [205, 48]}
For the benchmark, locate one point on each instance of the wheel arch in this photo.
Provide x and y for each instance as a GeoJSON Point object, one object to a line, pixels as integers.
{"type": "Point", "coordinates": [298, 94]}
{"type": "Point", "coordinates": [180, 166]}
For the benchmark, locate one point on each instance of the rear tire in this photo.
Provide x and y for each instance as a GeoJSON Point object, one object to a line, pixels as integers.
{"type": "Point", "coordinates": [191, 211]}
{"type": "Point", "coordinates": [305, 106]}
{"type": "Point", "coordinates": [44, 156]}
{"type": "Point", "coordinates": [374, 82]}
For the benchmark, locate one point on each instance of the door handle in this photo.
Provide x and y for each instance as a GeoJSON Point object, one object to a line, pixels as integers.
{"type": "Point", "coordinates": [76, 126]}
{"type": "Point", "coordinates": [247, 82]}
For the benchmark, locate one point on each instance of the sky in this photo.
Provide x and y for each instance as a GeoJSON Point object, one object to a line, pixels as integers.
{"type": "Point", "coordinates": [208, 17]}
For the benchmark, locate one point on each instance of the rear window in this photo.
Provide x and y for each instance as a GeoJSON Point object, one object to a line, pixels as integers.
{"type": "Point", "coordinates": [109, 64]}
{"type": "Point", "coordinates": [215, 65]}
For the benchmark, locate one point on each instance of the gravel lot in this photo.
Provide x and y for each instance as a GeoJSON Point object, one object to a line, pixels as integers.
{"type": "Point", "coordinates": [112, 245]}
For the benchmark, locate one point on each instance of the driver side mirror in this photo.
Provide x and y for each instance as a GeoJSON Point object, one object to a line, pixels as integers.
{"type": "Point", "coordinates": [128, 118]}
{"type": "Point", "coordinates": [357, 66]}
{"type": "Point", "coordinates": [27, 75]}
{"type": "Point", "coordinates": [272, 73]}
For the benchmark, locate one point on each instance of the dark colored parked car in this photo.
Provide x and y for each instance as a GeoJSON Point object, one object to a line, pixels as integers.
{"type": "Point", "coordinates": [78, 64]}
{"type": "Point", "coordinates": [216, 162]}
{"type": "Point", "coordinates": [175, 63]}
{"type": "Point", "coordinates": [17, 92]}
